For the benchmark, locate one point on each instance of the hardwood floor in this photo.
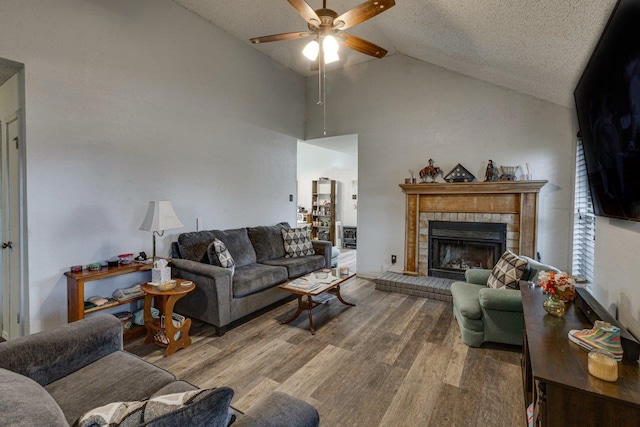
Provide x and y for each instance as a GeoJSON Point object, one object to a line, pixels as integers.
{"type": "Point", "coordinates": [393, 360]}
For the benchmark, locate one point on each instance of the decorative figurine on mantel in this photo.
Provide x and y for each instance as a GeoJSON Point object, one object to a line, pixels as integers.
{"type": "Point", "coordinates": [509, 173]}
{"type": "Point", "coordinates": [492, 173]}
{"type": "Point", "coordinates": [430, 171]}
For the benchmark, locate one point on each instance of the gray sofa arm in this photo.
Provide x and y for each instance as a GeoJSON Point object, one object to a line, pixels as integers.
{"type": "Point", "coordinates": [323, 247]}
{"type": "Point", "coordinates": [211, 300]}
{"type": "Point", "coordinates": [280, 410]}
{"type": "Point", "coordinates": [50, 355]}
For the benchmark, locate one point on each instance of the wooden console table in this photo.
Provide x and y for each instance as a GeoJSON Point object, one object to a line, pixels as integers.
{"type": "Point", "coordinates": [556, 377]}
{"type": "Point", "coordinates": [76, 296]}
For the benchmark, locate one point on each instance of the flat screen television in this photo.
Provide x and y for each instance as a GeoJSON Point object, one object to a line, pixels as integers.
{"type": "Point", "coordinates": [608, 105]}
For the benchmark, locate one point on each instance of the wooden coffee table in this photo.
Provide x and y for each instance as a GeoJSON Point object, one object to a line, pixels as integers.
{"type": "Point", "coordinates": [330, 285]}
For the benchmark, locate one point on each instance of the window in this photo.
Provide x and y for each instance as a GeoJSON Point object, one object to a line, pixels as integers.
{"type": "Point", "coordinates": [584, 222]}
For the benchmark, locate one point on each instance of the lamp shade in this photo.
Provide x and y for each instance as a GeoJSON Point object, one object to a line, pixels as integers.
{"type": "Point", "coordinates": [160, 216]}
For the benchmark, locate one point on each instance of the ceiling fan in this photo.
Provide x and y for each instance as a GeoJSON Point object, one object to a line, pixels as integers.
{"type": "Point", "coordinates": [324, 25]}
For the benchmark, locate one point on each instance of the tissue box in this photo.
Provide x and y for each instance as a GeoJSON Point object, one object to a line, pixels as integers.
{"type": "Point", "coordinates": [160, 275]}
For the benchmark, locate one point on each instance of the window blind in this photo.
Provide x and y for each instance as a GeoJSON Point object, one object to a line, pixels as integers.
{"type": "Point", "coordinates": [584, 223]}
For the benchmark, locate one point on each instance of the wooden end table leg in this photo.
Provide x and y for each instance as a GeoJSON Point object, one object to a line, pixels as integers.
{"type": "Point", "coordinates": [148, 320]}
{"type": "Point", "coordinates": [171, 331]}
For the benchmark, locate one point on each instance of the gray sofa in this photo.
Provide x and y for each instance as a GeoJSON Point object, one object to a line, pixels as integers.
{"type": "Point", "coordinates": [222, 296]}
{"type": "Point", "coordinates": [53, 377]}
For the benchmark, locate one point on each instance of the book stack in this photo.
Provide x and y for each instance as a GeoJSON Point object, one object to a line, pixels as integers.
{"type": "Point", "coordinates": [305, 284]}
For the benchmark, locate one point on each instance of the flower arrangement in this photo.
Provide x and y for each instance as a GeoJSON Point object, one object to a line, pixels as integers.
{"type": "Point", "coordinates": [561, 285]}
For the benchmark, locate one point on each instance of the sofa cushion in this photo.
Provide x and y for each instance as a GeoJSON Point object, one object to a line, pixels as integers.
{"type": "Point", "coordinates": [300, 266]}
{"type": "Point", "coordinates": [239, 246]}
{"type": "Point", "coordinates": [24, 402]}
{"type": "Point", "coordinates": [193, 245]}
{"type": "Point", "coordinates": [267, 241]}
{"type": "Point", "coordinates": [508, 271]}
{"type": "Point", "coordinates": [117, 377]}
{"type": "Point", "coordinates": [194, 407]}
{"type": "Point", "coordinates": [219, 252]}
{"type": "Point", "coordinates": [256, 277]}
{"type": "Point", "coordinates": [297, 242]}
{"type": "Point", "coordinates": [466, 298]}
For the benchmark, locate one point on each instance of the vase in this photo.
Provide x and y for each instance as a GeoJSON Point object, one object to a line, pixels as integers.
{"type": "Point", "coordinates": [554, 306]}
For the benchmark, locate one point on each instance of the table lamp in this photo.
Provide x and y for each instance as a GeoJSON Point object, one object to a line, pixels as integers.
{"type": "Point", "coordinates": [160, 216]}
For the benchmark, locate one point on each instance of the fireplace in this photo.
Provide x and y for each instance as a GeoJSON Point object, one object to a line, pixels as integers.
{"type": "Point", "coordinates": [457, 246]}
{"type": "Point", "coordinates": [514, 203]}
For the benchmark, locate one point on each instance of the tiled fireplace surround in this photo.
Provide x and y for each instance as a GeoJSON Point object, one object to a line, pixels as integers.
{"type": "Point", "coordinates": [512, 221]}
{"type": "Point", "coordinates": [514, 203]}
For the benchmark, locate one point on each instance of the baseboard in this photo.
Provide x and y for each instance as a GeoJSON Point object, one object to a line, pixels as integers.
{"type": "Point", "coordinates": [5, 335]}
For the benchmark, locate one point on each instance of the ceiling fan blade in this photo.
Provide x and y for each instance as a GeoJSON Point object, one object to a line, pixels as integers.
{"type": "Point", "coordinates": [306, 12]}
{"type": "Point", "coordinates": [361, 45]}
{"type": "Point", "coordinates": [361, 13]}
{"type": "Point", "coordinates": [279, 37]}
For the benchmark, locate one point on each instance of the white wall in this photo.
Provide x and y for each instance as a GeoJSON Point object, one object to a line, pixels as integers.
{"type": "Point", "coordinates": [617, 283]}
{"type": "Point", "coordinates": [314, 162]}
{"type": "Point", "coordinates": [130, 101]}
{"type": "Point", "coordinates": [406, 111]}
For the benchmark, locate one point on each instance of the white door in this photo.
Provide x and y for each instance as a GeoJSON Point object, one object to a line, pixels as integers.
{"type": "Point", "coordinates": [12, 298]}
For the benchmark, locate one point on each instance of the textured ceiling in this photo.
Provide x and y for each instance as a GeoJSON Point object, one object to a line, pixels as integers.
{"type": "Point", "coordinates": [537, 47]}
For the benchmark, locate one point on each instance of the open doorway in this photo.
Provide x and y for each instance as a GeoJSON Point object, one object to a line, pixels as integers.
{"type": "Point", "coordinates": [13, 293]}
{"type": "Point", "coordinates": [321, 161]}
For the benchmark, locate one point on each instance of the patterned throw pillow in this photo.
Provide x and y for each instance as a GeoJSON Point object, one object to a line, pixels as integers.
{"type": "Point", "coordinates": [220, 255]}
{"type": "Point", "coordinates": [297, 242]}
{"type": "Point", "coordinates": [508, 271]}
{"type": "Point", "coordinates": [170, 405]}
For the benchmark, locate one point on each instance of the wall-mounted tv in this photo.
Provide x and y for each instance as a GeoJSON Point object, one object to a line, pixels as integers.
{"type": "Point", "coordinates": [608, 104]}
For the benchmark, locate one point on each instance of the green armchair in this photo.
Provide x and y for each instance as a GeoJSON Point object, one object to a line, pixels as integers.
{"type": "Point", "coordinates": [487, 314]}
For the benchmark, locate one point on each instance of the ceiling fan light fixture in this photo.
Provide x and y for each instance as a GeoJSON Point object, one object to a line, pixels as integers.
{"type": "Point", "coordinates": [331, 56]}
{"type": "Point", "coordinates": [330, 44]}
{"type": "Point", "coordinates": [311, 50]}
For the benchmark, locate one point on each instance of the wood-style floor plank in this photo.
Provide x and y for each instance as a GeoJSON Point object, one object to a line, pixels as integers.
{"type": "Point", "coordinates": [392, 360]}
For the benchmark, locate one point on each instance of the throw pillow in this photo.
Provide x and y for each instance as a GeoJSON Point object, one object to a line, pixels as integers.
{"type": "Point", "coordinates": [297, 242]}
{"type": "Point", "coordinates": [220, 255]}
{"type": "Point", "coordinates": [195, 407]}
{"type": "Point", "coordinates": [508, 271]}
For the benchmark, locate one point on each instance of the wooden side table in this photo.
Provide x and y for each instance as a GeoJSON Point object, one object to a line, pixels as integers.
{"type": "Point", "coordinates": [165, 301]}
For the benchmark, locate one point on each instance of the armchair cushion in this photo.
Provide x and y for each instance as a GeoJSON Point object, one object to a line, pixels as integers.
{"type": "Point", "coordinates": [508, 271]}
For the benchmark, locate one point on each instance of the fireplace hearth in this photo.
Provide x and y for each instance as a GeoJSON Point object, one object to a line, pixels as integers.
{"type": "Point", "coordinates": [457, 246]}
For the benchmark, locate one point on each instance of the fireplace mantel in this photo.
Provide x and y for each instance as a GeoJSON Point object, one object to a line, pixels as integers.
{"type": "Point", "coordinates": [519, 199]}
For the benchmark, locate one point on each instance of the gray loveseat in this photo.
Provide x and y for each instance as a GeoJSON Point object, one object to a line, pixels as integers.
{"type": "Point", "coordinates": [222, 297]}
{"type": "Point", "coordinates": [53, 377]}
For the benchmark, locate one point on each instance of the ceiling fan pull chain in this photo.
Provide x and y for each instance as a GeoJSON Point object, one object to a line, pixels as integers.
{"type": "Point", "coordinates": [324, 99]}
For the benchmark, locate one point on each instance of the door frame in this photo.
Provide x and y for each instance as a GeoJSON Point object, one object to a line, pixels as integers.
{"type": "Point", "coordinates": [19, 286]}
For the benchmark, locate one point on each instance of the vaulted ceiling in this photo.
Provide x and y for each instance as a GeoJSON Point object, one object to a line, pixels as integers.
{"type": "Point", "coordinates": [537, 47]}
